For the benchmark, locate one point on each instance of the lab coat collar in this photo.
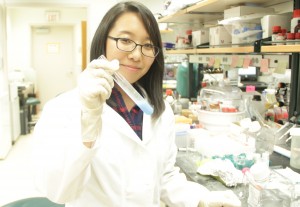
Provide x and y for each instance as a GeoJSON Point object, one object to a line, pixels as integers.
{"type": "Point", "coordinates": [124, 128]}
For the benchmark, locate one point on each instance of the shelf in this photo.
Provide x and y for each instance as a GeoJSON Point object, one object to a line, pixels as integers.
{"type": "Point", "coordinates": [280, 48]}
{"type": "Point", "coordinates": [181, 51]}
{"type": "Point", "coordinates": [223, 50]}
{"type": "Point", "coordinates": [195, 13]}
{"type": "Point", "coordinates": [248, 49]}
{"type": "Point", "coordinates": [209, 10]}
{"type": "Point", "coordinates": [165, 31]}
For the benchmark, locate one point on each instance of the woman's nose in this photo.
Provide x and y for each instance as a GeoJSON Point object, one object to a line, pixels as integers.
{"type": "Point", "coordinates": [137, 52]}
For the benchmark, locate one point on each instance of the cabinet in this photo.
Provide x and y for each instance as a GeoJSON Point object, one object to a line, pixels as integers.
{"type": "Point", "coordinates": [208, 11]}
{"type": "Point", "coordinates": [5, 122]}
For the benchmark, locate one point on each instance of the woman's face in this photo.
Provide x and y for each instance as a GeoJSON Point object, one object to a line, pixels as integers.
{"type": "Point", "coordinates": [133, 65]}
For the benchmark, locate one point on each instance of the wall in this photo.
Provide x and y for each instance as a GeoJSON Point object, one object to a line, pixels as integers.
{"type": "Point", "coordinates": [21, 17]}
{"type": "Point", "coordinates": [19, 25]}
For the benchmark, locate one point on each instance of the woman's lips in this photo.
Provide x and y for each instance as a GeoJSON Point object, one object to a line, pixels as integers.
{"type": "Point", "coordinates": [130, 67]}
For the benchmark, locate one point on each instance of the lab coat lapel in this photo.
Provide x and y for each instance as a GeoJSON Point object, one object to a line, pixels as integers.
{"type": "Point", "coordinates": [147, 128]}
{"type": "Point", "coordinates": [119, 123]}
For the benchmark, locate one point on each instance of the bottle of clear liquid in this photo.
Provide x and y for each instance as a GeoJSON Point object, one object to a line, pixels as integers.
{"type": "Point", "coordinates": [169, 97]}
{"type": "Point", "coordinates": [177, 104]}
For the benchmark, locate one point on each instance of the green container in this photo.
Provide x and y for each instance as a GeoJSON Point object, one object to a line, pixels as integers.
{"type": "Point", "coordinates": [184, 84]}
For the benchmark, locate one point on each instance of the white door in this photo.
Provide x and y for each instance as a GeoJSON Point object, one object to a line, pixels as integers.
{"type": "Point", "coordinates": [53, 59]}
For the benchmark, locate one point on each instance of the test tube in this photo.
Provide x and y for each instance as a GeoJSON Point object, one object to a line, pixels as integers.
{"type": "Point", "coordinates": [131, 92]}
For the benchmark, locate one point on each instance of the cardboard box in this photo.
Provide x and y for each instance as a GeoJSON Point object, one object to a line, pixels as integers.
{"type": "Point", "coordinates": [219, 36]}
{"type": "Point", "coordinates": [245, 10]}
{"type": "Point", "coordinates": [200, 37]}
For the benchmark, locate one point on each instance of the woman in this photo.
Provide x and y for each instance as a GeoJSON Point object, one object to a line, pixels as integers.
{"type": "Point", "coordinates": [95, 147]}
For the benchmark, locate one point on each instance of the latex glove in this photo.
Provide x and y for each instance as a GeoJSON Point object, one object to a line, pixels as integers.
{"type": "Point", "coordinates": [220, 199]}
{"type": "Point", "coordinates": [96, 82]}
{"type": "Point", "coordinates": [95, 85]}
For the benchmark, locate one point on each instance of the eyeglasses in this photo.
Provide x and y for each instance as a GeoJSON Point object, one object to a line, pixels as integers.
{"type": "Point", "coordinates": [128, 45]}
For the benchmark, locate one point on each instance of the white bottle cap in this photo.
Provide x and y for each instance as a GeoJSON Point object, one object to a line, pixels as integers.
{"type": "Point", "coordinates": [254, 126]}
{"type": "Point", "coordinates": [260, 172]}
{"type": "Point", "coordinates": [245, 123]}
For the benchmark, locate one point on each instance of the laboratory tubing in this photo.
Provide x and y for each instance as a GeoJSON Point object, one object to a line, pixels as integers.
{"type": "Point", "coordinates": [131, 92]}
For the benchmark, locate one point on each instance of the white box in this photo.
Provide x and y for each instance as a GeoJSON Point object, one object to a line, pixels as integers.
{"type": "Point", "coordinates": [268, 21]}
{"type": "Point", "coordinates": [219, 36]}
{"type": "Point", "coordinates": [245, 10]}
{"type": "Point", "coordinates": [200, 37]}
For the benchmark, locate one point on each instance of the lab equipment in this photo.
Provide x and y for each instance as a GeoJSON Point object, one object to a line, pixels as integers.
{"type": "Point", "coordinates": [250, 178]}
{"type": "Point", "coordinates": [277, 190]}
{"type": "Point", "coordinates": [220, 106]}
{"type": "Point", "coordinates": [131, 92]}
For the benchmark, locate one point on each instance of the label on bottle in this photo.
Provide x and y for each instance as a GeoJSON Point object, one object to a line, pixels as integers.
{"type": "Point", "coordinates": [274, 38]}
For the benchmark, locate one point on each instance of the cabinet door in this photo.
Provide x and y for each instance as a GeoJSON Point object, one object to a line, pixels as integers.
{"type": "Point", "coordinates": [5, 122]}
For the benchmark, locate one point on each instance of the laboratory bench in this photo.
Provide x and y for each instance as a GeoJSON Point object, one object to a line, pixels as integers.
{"type": "Point", "coordinates": [190, 170]}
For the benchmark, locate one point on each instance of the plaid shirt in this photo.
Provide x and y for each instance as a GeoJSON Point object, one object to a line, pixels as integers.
{"type": "Point", "coordinates": [134, 117]}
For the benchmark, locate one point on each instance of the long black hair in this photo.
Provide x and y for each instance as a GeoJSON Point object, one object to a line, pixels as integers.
{"type": "Point", "coordinates": [152, 81]}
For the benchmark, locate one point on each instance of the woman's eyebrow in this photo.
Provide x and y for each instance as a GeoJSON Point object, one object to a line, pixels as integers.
{"type": "Point", "coordinates": [130, 33]}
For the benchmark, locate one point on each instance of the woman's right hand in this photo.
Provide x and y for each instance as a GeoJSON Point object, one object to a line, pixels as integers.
{"type": "Point", "coordinates": [95, 82]}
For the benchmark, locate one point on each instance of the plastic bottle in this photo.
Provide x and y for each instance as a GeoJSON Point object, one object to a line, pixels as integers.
{"type": "Point", "coordinates": [169, 96]}
{"type": "Point", "coordinates": [295, 148]}
{"type": "Point", "coordinates": [259, 173]}
{"type": "Point", "coordinates": [297, 27]}
{"type": "Point", "coordinates": [275, 30]}
{"type": "Point", "coordinates": [177, 104]}
{"type": "Point", "coordinates": [189, 38]}
{"type": "Point", "coordinates": [296, 17]}
{"type": "Point", "coordinates": [290, 37]}
{"type": "Point", "coordinates": [280, 37]}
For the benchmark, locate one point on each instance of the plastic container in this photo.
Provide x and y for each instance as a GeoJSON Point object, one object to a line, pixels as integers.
{"type": "Point", "coordinates": [269, 189]}
{"type": "Point", "coordinates": [220, 106]}
{"type": "Point", "coordinates": [295, 148]}
{"type": "Point", "coordinates": [168, 45]}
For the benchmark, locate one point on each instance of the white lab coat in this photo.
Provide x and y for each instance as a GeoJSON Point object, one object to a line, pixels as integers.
{"type": "Point", "coordinates": [119, 171]}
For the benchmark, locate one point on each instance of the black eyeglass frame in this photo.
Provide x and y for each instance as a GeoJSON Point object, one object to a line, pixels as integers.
{"type": "Point", "coordinates": [156, 49]}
